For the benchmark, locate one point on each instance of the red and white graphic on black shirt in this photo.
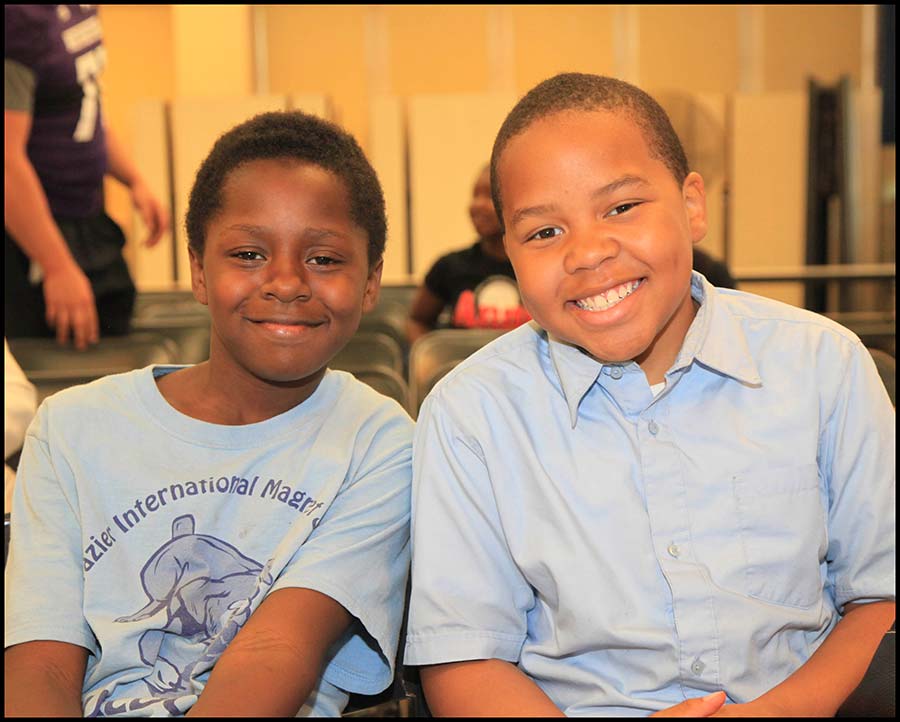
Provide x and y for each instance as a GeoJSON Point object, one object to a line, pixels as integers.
{"type": "Point", "coordinates": [495, 303]}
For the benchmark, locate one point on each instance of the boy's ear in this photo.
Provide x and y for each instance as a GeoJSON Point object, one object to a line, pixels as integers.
{"type": "Point", "coordinates": [694, 194]}
{"type": "Point", "coordinates": [198, 278]}
{"type": "Point", "coordinates": [373, 285]}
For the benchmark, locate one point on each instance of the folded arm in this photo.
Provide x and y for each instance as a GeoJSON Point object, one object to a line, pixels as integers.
{"type": "Point", "coordinates": [819, 687]}
{"type": "Point", "coordinates": [43, 679]}
{"type": "Point", "coordinates": [275, 661]}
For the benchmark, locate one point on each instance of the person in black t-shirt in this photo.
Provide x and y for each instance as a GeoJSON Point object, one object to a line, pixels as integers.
{"type": "Point", "coordinates": [476, 285]}
{"type": "Point", "coordinates": [716, 271]}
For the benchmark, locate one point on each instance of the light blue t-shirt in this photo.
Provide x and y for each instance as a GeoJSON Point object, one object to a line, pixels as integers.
{"type": "Point", "coordinates": [149, 537]}
{"type": "Point", "coordinates": [630, 551]}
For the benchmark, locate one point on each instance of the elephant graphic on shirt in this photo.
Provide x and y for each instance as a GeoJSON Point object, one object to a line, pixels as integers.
{"type": "Point", "coordinates": [207, 588]}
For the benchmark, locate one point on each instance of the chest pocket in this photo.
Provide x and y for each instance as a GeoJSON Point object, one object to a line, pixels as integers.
{"type": "Point", "coordinates": [783, 531]}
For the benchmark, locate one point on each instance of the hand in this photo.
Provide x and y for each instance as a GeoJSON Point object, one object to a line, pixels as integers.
{"type": "Point", "coordinates": [71, 306]}
{"type": "Point", "coordinates": [154, 216]}
{"type": "Point", "coordinates": [706, 706]}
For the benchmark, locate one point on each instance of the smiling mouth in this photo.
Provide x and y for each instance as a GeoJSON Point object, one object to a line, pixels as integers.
{"type": "Point", "coordinates": [285, 327]}
{"type": "Point", "coordinates": [612, 297]}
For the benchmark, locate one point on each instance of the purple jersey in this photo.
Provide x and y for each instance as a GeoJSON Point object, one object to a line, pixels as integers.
{"type": "Point", "coordinates": [61, 45]}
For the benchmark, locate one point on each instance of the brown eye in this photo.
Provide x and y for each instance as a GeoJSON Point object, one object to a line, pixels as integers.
{"type": "Point", "coordinates": [546, 233]}
{"type": "Point", "coordinates": [623, 208]}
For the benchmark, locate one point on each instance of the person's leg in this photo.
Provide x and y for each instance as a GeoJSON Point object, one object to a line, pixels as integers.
{"type": "Point", "coordinates": [24, 313]}
{"type": "Point", "coordinates": [97, 244]}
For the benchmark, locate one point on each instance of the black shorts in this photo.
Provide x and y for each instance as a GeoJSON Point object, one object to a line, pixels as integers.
{"type": "Point", "coordinates": [96, 244]}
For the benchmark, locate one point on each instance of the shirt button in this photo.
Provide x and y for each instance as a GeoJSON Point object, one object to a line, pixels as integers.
{"type": "Point", "coordinates": [674, 550]}
{"type": "Point", "coordinates": [616, 372]}
{"type": "Point", "coordinates": [653, 428]}
{"type": "Point", "coordinates": [697, 666]}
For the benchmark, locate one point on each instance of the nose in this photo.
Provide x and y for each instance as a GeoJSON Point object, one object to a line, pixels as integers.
{"type": "Point", "coordinates": [587, 249]}
{"type": "Point", "coordinates": [286, 279]}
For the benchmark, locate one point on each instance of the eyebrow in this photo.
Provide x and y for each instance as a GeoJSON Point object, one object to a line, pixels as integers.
{"type": "Point", "coordinates": [311, 233]}
{"type": "Point", "coordinates": [623, 182]}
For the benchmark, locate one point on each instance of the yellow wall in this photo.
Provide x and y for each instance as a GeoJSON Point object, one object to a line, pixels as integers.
{"type": "Point", "coordinates": [359, 55]}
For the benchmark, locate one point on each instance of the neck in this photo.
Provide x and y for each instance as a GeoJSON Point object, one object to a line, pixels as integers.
{"type": "Point", "coordinates": [661, 354]}
{"type": "Point", "coordinates": [220, 395]}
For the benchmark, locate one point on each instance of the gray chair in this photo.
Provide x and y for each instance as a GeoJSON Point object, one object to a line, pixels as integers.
{"type": "Point", "coordinates": [389, 318]}
{"type": "Point", "coordinates": [887, 369]}
{"type": "Point", "coordinates": [143, 299]}
{"type": "Point", "coordinates": [876, 695]}
{"type": "Point", "coordinates": [437, 352]}
{"type": "Point", "coordinates": [402, 294]}
{"type": "Point", "coordinates": [189, 333]}
{"type": "Point", "coordinates": [369, 349]}
{"type": "Point", "coordinates": [385, 381]}
{"type": "Point", "coordinates": [186, 307]}
{"type": "Point", "coordinates": [51, 367]}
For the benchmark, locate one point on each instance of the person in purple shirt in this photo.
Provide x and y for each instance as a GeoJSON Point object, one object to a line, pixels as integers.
{"type": "Point", "coordinates": [64, 269]}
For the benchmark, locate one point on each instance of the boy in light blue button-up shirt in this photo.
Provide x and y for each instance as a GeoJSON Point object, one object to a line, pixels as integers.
{"type": "Point", "coordinates": [659, 496]}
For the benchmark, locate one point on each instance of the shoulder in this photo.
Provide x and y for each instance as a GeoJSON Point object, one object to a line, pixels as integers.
{"type": "Point", "coordinates": [499, 369]}
{"type": "Point", "coordinates": [26, 29]}
{"type": "Point", "coordinates": [365, 408]}
{"type": "Point", "coordinates": [793, 344]}
{"type": "Point", "coordinates": [89, 410]}
{"type": "Point", "coordinates": [96, 394]}
{"type": "Point", "coordinates": [766, 316]}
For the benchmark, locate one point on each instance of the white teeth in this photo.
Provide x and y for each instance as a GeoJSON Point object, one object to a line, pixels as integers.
{"type": "Point", "coordinates": [610, 298]}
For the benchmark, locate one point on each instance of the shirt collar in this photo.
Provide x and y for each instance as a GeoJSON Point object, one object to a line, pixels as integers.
{"type": "Point", "coordinates": [715, 339]}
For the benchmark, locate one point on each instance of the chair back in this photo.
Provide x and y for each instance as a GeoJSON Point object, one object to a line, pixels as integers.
{"type": "Point", "coordinates": [887, 369]}
{"type": "Point", "coordinates": [433, 355]}
{"type": "Point", "coordinates": [143, 299]}
{"type": "Point", "coordinates": [51, 367]}
{"type": "Point", "coordinates": [389, 318]}
{"type": "Point", "coordinates": [173, 308]}
{"type": "Point", "coordinates": [385, 381]}
{"type": "Point", "coordinates": [876, 695]}
{"type": "Point", "coordinates": [190, 334]}
{"type": "Point", "coordinates": [369, 349]}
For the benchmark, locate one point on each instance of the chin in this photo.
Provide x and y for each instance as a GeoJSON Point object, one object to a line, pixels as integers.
{"type": "Point", "coordinates": [286, 377]}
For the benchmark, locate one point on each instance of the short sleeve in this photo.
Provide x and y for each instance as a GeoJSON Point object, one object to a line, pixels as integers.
{"type": "Point", "coordinates": [359, 556]}
{"type": "Point", "coordinates": [469, 600]}
{"type": "Point", "coordinates": [857, 457]}
{"type": "Point", "coordinates": [18, 87]}
{"type": "Point", "coordinates": [45, 534]}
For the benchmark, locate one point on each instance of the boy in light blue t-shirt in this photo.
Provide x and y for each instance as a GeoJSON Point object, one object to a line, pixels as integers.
{"type": "Point", "coordinates": [659, 496]}
{"type": "Point", "coordinates": [229, 538]}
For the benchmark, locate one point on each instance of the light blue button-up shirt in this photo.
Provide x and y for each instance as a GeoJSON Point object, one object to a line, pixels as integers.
{"type": "Point", "coordinates": [630, 551]}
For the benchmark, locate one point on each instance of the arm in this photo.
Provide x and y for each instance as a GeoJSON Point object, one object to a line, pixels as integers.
{"type": "Point", "coordinates": [494, 688]}
{"type": "Point", "coordinates": [423, 313]}
{"type": "Point", "coordinates": [43, 678]}
{"type": "Point", "coordinates": [275, 661]}
{"type": "Point", "coordinates": [484, 688]}
{"type": "Point", "coordinates": [123, 170]}
{"type": "Point", "coordinates": [831, 674]}
{"type": "Point", "coordinates": [67, 291]}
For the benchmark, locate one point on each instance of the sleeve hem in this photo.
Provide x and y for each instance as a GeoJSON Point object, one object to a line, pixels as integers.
{"type": "Point", "coordinates": [24, 634]}
{"type": "Point", "coordinates": [461, 647]}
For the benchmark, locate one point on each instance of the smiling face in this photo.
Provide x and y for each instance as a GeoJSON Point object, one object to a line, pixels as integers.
{"type": "Point", "coordinates": [285, 272]}
{"type": "Point", "coordinates": [600, 235]}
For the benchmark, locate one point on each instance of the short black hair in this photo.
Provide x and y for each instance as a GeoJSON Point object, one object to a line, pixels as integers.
{"type": "Point", "coordinates": [581, 91]}
{"type": "Point", "coordinates": [290, 135]}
